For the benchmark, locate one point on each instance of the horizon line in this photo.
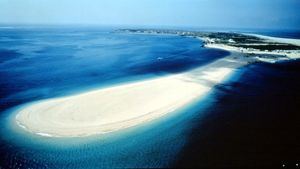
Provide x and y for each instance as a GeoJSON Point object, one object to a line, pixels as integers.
{"type": "Point", "coordinates": [143, 26]}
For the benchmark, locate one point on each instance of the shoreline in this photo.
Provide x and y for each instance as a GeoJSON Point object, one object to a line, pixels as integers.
{"type": "Point", "coordinates": [276, 39]}
{"type": "Point", "coordinates": [114, 108]}
{"type": "Point", "coordinates": [102, 111]}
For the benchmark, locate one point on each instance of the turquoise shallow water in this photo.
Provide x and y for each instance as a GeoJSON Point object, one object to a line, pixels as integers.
{"type": "Point", "coordinates": [154, 144]}
{"type": "Point", "coordinates": [43, 63]}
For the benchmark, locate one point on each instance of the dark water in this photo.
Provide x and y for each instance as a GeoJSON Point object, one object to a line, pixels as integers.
{"type": "Point", "coordinates": [254, 122]}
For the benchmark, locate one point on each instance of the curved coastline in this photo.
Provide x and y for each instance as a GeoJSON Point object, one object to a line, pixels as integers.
{"type": "Point", "coordinates": [115, 108]}
{"type": "Point", "coordinates": [119, 107]}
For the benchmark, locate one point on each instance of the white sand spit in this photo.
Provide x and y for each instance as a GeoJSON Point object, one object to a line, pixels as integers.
{"type": "Point", "coordinates": [109, 109]}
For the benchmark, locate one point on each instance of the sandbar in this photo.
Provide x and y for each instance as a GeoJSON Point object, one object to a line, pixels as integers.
{"type": "Point", "coordinates": [119, 107]}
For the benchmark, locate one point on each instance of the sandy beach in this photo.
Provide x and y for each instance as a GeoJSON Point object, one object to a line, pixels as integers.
{"type": "Point", "coordinates": [109, 109]}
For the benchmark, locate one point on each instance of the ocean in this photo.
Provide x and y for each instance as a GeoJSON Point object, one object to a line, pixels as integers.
{"type": "Point", "coordinates": [253, 123]}
{"type": "Point", "coordinates": [249, 120]}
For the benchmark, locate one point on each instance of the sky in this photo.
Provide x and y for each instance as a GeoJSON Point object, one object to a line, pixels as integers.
{"type": "Point", "coordinates": [275, 14]}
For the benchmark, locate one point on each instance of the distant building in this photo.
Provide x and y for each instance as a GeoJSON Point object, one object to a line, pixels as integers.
{"type": "Point", "coordinates": [231, 41]}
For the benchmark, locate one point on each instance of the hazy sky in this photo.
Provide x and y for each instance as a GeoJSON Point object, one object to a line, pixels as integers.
{"type": "Point", "coordinates": [185, 13]}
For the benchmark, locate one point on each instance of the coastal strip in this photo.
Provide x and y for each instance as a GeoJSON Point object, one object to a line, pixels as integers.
{"type": "Point", "coordinates": [277, 39]}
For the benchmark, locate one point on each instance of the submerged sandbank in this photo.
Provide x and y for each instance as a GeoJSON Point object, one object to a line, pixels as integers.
{"type": "Point", "coordinates": [109, 109]}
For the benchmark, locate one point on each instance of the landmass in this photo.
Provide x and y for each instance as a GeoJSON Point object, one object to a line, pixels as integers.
{"type": "Point", "coordinates": [119, 107]}
{"type": "Point", "coordinates": [262, 48]}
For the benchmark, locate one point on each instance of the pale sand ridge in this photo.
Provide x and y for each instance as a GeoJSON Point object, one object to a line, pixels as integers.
{"type": "Point", "coordinates": [114, 108]}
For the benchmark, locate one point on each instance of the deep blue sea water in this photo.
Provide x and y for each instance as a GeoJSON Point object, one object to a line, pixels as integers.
{"type": "Point", "coordinates": [253, 122]}
{"type": "Point", "coordinates": [249, 120]}
{"type": "Point", "coordinates": [40, 63]}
